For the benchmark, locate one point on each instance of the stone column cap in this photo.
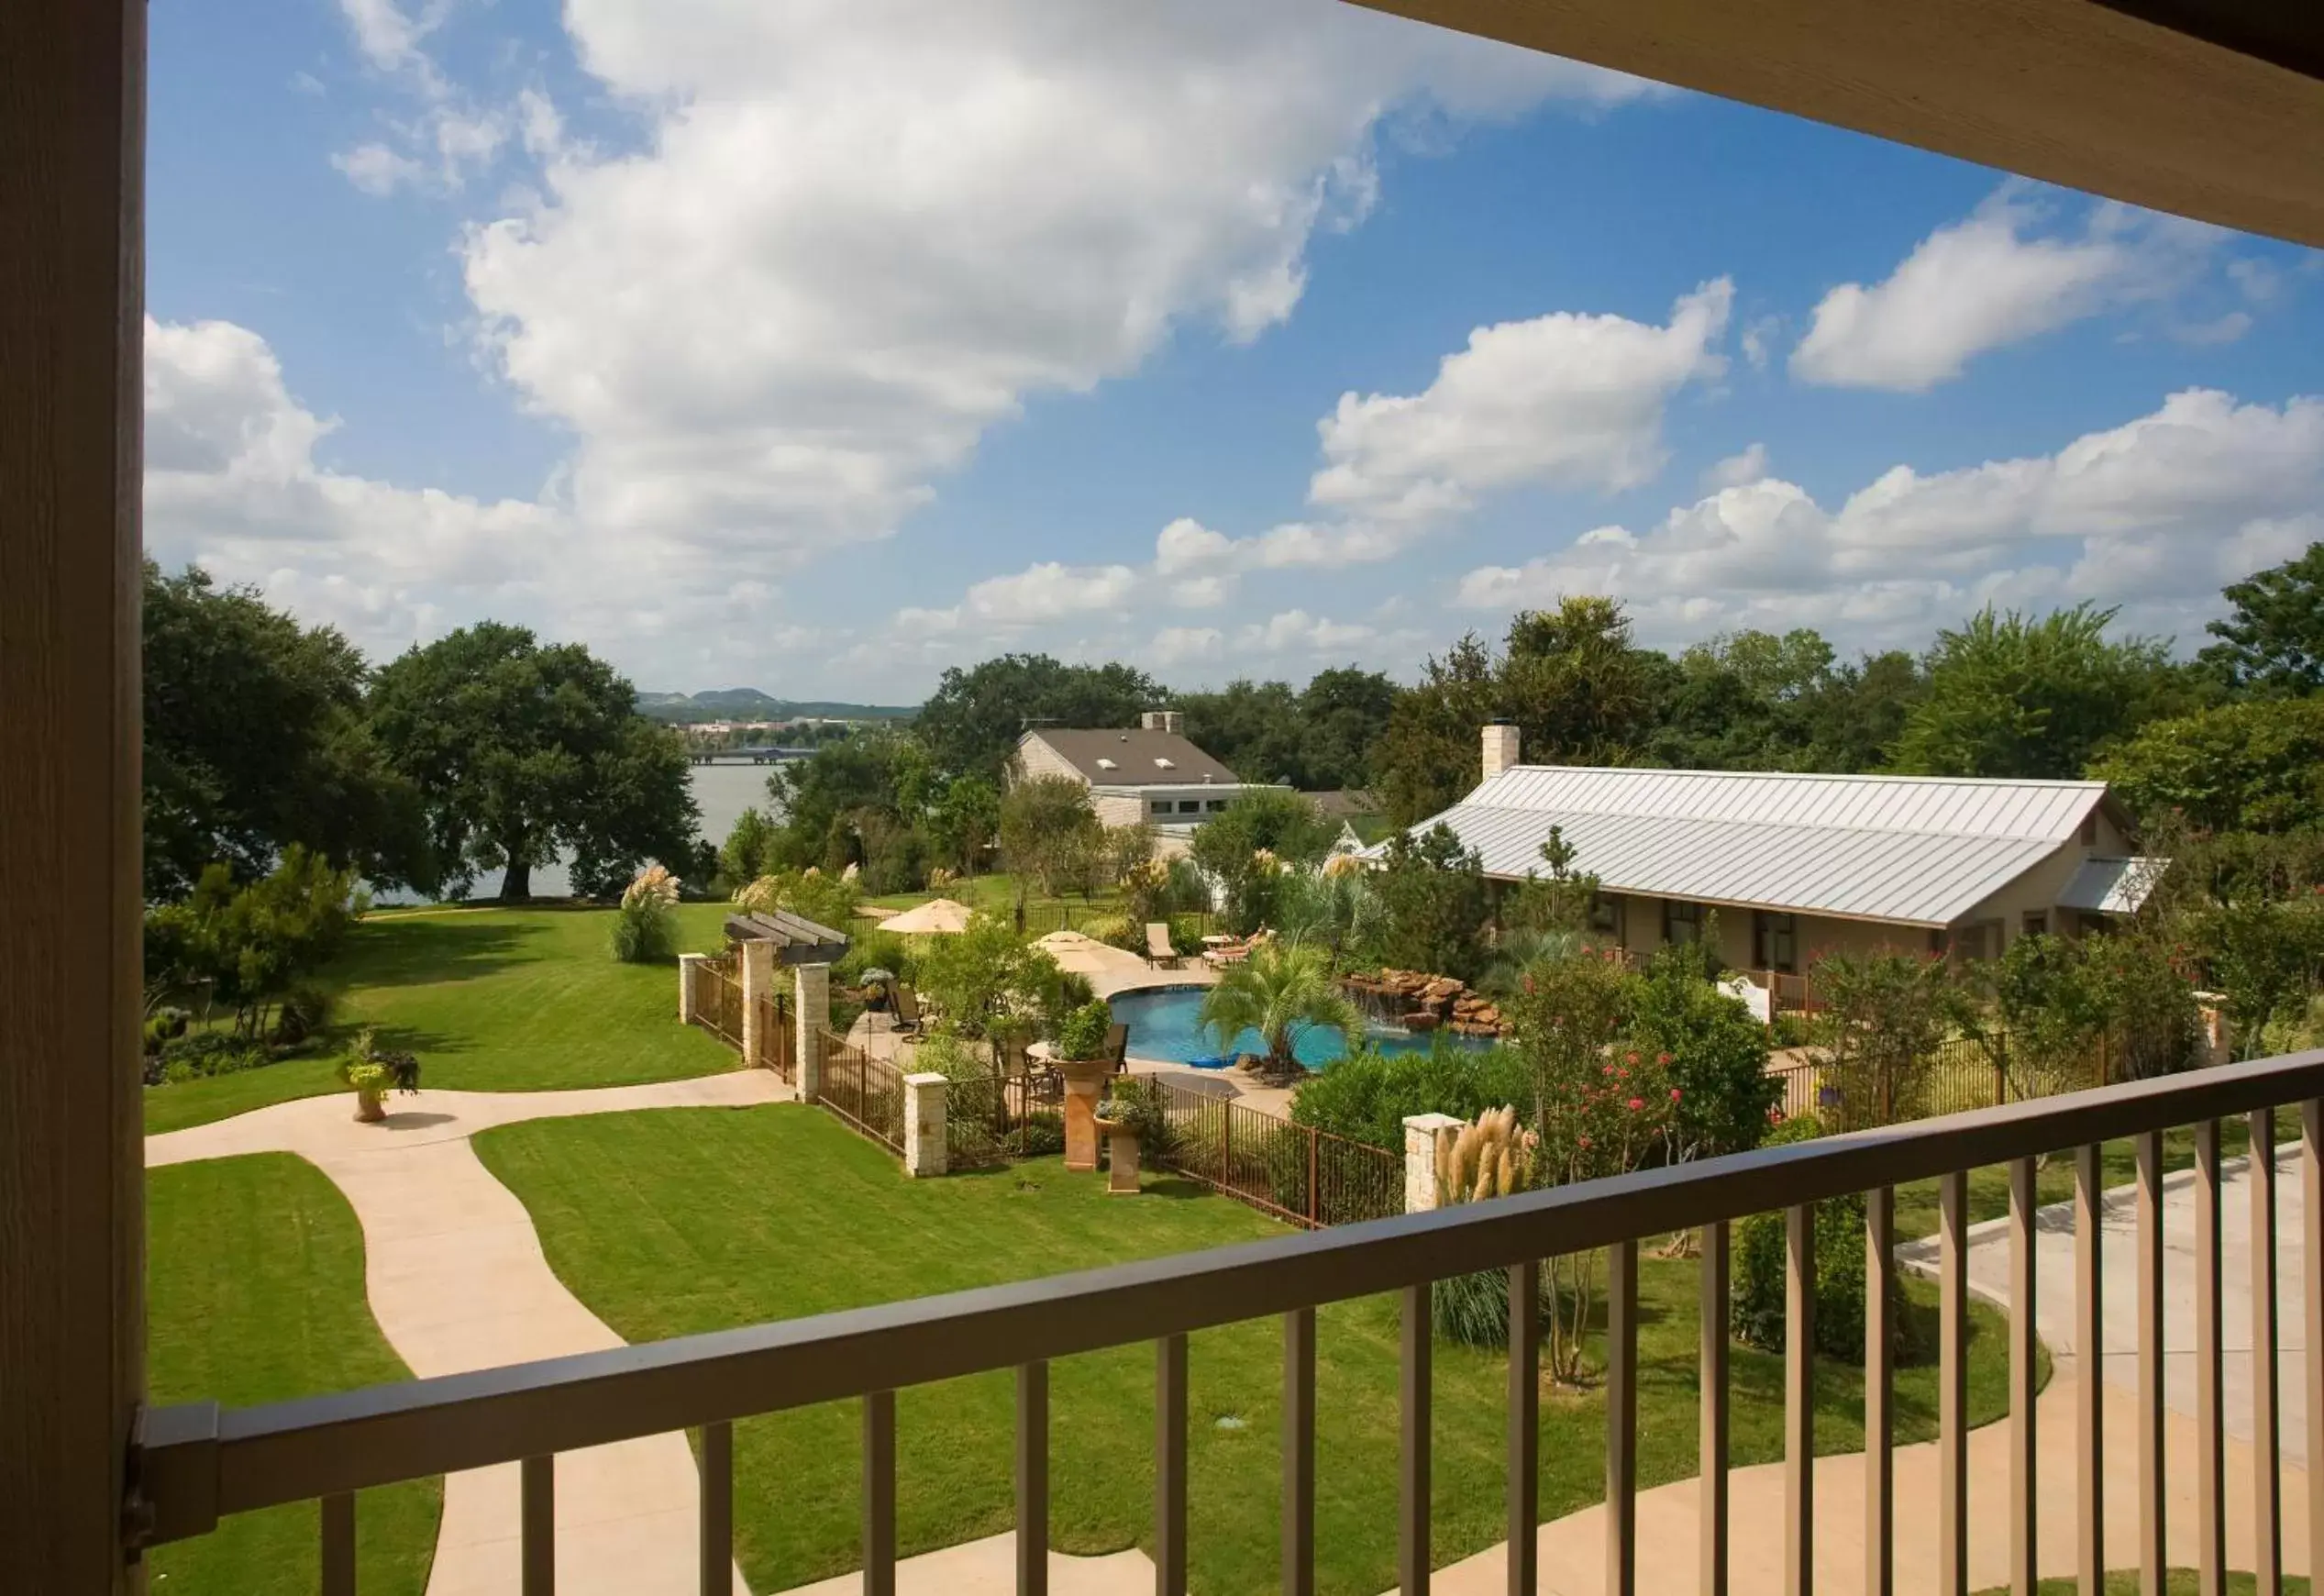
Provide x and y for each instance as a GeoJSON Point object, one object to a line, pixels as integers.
{"type": "Point", "coordinates": [927, 1077]}
{"type": "Point", "coordinates": [1430, 1122]}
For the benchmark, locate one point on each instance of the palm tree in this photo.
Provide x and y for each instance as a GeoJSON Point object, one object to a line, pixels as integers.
{"type": "Point", "coordinates": [1282, 990]}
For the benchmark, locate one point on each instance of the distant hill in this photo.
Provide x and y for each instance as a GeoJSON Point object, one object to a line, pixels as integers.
{"type": "Point", "coordinates": [750, 704]}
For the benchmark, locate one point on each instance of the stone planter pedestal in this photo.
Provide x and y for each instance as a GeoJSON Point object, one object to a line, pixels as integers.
{"type": "Point", "coordinates": [1122, 1156]}
{"type": "Point", "coordinates": [1084, 1085]}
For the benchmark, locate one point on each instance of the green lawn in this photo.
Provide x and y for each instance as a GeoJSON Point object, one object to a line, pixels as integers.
{"type": "Point", "coordinates": [254, 1270]}
{"type": "Point", "coordinates": [509, 1000]}
{"type": "Point", "coordinates": [678, 1222]}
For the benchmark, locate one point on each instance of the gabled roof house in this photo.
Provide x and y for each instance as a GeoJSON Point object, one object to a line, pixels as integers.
{"type": "Point", "coordinates": [1147, 773]}
{"type": "Point", "coordinates": [1798, 865]}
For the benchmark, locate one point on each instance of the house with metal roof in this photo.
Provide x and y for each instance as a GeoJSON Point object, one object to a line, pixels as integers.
{"type": "Point", "coordinates": [1148, 773]}
{"type": "Point", "coordinates": [1795, 866]}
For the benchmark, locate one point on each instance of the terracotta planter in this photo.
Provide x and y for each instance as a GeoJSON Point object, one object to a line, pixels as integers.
{"type": "Point", "coordinates": [370, 1104]}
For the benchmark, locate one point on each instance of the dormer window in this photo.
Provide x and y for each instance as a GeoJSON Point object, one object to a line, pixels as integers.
{"type": "Point", "coordinates": [1161, 763]}
{"type": "Point", "coordinates": [1108, 765]}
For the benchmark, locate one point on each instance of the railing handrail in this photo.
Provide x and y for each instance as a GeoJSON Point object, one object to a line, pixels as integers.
{"type": "Point", "coordinates": [197, 1461]}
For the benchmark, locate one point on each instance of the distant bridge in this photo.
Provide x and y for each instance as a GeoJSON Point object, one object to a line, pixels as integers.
{"type": "Point", "coordinates": [766, 755]}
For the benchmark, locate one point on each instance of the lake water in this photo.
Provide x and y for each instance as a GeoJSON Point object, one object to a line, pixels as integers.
{"type": "Point", "coordinates": [723, 791]}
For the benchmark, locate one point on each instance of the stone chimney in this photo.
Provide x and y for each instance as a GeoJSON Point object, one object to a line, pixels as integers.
{"type": "Point", "coordinates": [1163, 720]}
{"type": "Point", "coordinates": [1501, 746]}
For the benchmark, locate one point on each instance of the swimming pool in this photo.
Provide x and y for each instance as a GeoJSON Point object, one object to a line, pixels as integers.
{"type": "Point", "coordinates": [1164, 1025]}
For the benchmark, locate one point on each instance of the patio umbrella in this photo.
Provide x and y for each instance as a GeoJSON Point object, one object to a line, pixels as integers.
{"type": "Point", "coordinates": [942, 916]}
{"type": "Point", "coordinates": [877, 974]}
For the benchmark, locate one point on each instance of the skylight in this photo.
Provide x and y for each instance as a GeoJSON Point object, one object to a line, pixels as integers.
{"type": "Point", "coordinates": [1161, 763]}
{"type": "Point", "coordinates": [1104, 764]}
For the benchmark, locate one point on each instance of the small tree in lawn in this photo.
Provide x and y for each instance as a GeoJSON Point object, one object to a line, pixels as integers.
{"type": "Point", "coordinates": [1047, 832]}
{"type": "Point", "coordinates": [987, 982]}
{"type": "Point", "coordinates": [1599, 1109]}
{"type": "Point", "coordinates": [246, 945]}
{"type": "Point", "coordinates": [1888, 1015]}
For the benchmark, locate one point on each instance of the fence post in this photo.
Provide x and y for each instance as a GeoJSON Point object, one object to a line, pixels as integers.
{"type": "Point", "coordinates": [2000, 1067]}
{"type": "Point", "coordinates": [1314, 1202]}
{"type": "Point", "coordinates": [687, 964]}
{"type": "Point", "coordinates": [758, 979]}
{"type": "Point", "coordinates": [1421, 1134]}
{"type": "Point", "coordinates": [925, 1148]}
{"type": "Point", "coordinates": [814, 1018]}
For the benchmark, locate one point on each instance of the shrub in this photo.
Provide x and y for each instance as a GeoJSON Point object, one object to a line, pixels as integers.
{"type": "Point", "coordinates": [1137, 1100]}
{"type": "Point", "coordinates": [1758, 1306]}
{"type": "Point", "coordinates": [875, 951]}
{"type": "Point", "coordinates": [206, 1053]}
{"type": "Point", "coordinates": [1041, 1136]}
{"type": "Point", "coordinates": [306, 1010]}
{"type": "Point", "coordinates": [164, 1025]}
{"type": "Point", "coordinates": [645, 927]}
{"type": "Point", "coordinates": [1717, 1053]}
{"type": "Point", "coordinates": [1186, 937]}
{"type": "Point", "coordinates": [1080, 1033]}
{"type": "Point", "coordinates": [1366, 1096]}
{"type": "Point", "coordinates": [1116, 931]}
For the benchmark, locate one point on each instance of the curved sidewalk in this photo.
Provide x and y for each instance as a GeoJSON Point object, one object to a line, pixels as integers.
{"type": "Point", "coordinates": [458, 1281]}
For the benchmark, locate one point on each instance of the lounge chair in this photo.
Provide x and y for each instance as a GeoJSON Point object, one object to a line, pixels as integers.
{"type": "Point", "coordinates": [908, 1018]}
{"type": "Point", "coordinates": [1159, 951]}
{"type": "Point", "coordinates": [1117, 1046]}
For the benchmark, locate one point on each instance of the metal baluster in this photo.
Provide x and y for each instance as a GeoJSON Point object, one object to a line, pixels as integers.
{"type": "Point", "coordinates": [1800, 1401]}
{"type": "Point", "coordinates": [2211, 1489]}
{"type": "Point", "coordinates": [2024, 1485]}
{"type": "Point", "coordinates": [1525, 1427]}
{"type": "Point", "coordinates": [1622, 1419]}
{"type": "Point", "coordinates": [1169, 1466]}
{"type": "Point", "coordinates": [2312, 1293]}
{"type": "Point", "coordinates": [1711, 1442]}
{"type": "Point", "coordinates": [1412, 1499]}
{"type": "Point", "coordinates": [2153, 1554]}
{"type": "Point", "coordinates": [717, 1510]}
{"type": "Point", "coordinates": [1032, 1480]}
{"type": "Point", "coordinates": [1952, 1384]}
{"type": "Point", "coordinates": [2089, 1352]}
{"type": "Point", "coordinates": [1880, 1395]}
{"type": "Point", "coordinates": [880, 1493]}
{"type": "Point", "coordinates": [538, 1494]}
{"type": "Point", "coordinates": [2267, 1457]}
{"type": "Point", "coordinates": [339, 1544]}
{"type": "Point", "coordinates": [1299, 1452]}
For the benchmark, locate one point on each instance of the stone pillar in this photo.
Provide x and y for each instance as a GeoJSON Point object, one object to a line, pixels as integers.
{"type": "Point", "coordinates": [2215, 1041]}
{"type": "Point", "coordinates": [758, 983]}
{"type": "Point", "coordinates": [1422, 1133]}
{"type": "Point", "coordinates": [687, 964]}
{"type": "Point", "coordinates": [1084, 1085]}
{"type": "Point", "coordinates": [925, 1151]}
{"type": "Point", "coordinates": [1501, 747]}
{"type": "Point", "coordinates": [814, 1015]}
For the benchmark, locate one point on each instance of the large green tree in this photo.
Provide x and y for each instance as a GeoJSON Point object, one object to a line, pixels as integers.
{"type": "Point", "coordinates": [2272, 641]}
{"type": "Point", "coordinates": [256, 741]}
{"type": "Point", "coordinates": [2253, 766]}
{"type": "Point", "coordinates": [971, 723]}
{"type": "Point", "coordinates": [1579, 691]}
{"type": "Point", "coordinates": [2025, 696]}
{"type": "Point", "coordinates": [522, 750]}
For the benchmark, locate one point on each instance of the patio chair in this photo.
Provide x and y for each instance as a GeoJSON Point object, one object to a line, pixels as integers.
{"type": "Point", "coordinates": [1159, 954]}
{"type": "Point", "coordinates": [908, 1018]}
{"type": "Point", "coordinates": [1117, 1046]}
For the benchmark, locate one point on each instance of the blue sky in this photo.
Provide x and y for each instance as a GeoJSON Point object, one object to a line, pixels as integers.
{"type": "Point", "coordinates": [819, 349]}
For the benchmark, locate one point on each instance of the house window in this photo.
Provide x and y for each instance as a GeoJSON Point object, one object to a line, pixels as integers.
{"type": "Point", "coordinates": [1160, 806]}
{"type": "Point", "coordinates": [1606, 916]}
{"type": "Point", "coordinates": [1774, 941]}
{"type": "Point", "coordinates": [1213, 805]}
{"type": "Point", "coordinates": [2037, 922]}
{"type": "Point", "coordinates": [1682, 922]}
{"type": "Point", "coordinates": [1190, 806]}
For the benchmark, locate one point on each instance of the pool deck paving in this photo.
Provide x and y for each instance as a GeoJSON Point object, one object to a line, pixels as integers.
{"type": "Point", "coordinates": [458, 1281]}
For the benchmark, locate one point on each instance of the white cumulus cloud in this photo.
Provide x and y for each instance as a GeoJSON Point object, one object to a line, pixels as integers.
{"type": "Point", "coordinates": [1987, 282]}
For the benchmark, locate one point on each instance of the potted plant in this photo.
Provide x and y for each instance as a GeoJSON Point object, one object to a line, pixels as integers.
{"type": "Point", "coordinates": [374, 1071]}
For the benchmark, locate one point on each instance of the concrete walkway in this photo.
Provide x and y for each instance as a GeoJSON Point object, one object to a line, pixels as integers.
{"type": "Point", "coordinates": [458, 1282]}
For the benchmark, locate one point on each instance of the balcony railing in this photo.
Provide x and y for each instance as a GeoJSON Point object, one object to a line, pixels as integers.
{"type": "Point", "coordinates": [197, 1462]}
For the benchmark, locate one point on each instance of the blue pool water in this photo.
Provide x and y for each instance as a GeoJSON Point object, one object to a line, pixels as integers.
{"type": "Point", "coordinates": [1163, 1024]}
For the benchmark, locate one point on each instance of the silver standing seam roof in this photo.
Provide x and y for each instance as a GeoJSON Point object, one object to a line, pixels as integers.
{"type": "Point", "coordinates": [1919, 849]}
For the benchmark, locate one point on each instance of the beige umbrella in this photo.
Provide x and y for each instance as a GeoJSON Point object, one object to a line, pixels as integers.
{"type": "Point", "coordinates": [940, 915]}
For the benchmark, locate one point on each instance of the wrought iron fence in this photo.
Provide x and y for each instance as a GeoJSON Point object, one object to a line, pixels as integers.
{"type": "Point", "coordinates": [865, 1092]}
{"type": "Point", "coordinates": [778, 1039]}
{"type": "Point", "coordinates": [1003, 1114]}
{"type": "Point", "coordinates": [718, 999]}
{"type": "Point", "coordinates": [1293, 1172]}
{"type": "Point", "coordinates": [1965, 1073]}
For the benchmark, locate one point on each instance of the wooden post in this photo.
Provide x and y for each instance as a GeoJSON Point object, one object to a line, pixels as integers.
{"type": "Point", "coordinates": [72, 1176]}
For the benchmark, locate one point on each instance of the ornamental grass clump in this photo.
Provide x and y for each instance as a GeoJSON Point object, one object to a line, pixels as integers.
{"type": "Point", "coordinates": [1493, 1157]}
{"type": "Point", "coordinates": [646, 927]}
